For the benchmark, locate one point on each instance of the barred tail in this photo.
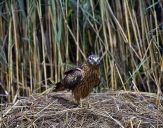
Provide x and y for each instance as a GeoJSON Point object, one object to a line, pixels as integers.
{"type": "Point", "coordinates": [59, 87]}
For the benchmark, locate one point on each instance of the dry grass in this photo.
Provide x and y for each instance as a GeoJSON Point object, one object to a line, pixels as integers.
{"type": "Point", "coordinates": [39, 39]}
{"type": "Point", "coordinates": [111, 109]}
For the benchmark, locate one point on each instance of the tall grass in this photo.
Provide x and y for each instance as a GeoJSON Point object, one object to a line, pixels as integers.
{"type": "Point", "coordinates": [40, 39]}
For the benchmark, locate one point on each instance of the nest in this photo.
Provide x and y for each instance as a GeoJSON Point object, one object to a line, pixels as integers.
{"type": "Point", "coordinates": [111, 109]}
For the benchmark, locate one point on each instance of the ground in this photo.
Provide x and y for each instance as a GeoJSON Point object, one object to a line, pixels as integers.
{"type": "Point", "coordinates": [119, 109]}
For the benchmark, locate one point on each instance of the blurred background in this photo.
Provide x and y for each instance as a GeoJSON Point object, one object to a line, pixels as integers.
{"type": "Point", "coordinates": [40, 39]}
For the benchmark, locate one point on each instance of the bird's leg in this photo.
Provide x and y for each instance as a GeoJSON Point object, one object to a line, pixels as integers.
{"type": "Point", "coordinates": [75, 102]}
{"type": "Point", "coordinates": [89, 102]}
{"type": "Point", "coordinates": [81, 103]}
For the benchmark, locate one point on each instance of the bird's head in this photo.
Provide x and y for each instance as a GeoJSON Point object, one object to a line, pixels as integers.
{"type": "Point", "coordinates": [93, 60]}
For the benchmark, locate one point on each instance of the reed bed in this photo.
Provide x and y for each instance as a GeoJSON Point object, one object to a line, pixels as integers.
{"type": "Point", "coordinates": [40, 39]}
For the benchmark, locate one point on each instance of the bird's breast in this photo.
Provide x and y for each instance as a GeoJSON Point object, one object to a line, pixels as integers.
{"type": "Point", "coordinates": [91, 77]}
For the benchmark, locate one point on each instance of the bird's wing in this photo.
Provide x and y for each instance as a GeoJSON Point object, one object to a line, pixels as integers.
{"type": "Point", "coordinates": [73, 69]}
{"type": "Point", "coordinates": [72, 78]}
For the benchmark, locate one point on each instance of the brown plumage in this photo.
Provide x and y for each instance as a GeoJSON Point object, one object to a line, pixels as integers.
{"type": "Point", "coordinates": [81, 80]}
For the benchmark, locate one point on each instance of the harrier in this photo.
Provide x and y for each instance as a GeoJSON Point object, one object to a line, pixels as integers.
{"type": "Point", "coordinates": [82, 79]}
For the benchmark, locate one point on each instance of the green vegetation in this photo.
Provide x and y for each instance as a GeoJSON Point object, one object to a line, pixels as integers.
{"type": "Point", "coordinates": [39, 39]}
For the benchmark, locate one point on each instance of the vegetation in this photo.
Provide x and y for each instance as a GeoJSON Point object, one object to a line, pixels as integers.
{"type": "Point", "coordinates": [39, 39]}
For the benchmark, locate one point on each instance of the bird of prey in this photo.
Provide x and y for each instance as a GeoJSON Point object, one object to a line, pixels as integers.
{"type": "Point", "coordinates": [82, 79]}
